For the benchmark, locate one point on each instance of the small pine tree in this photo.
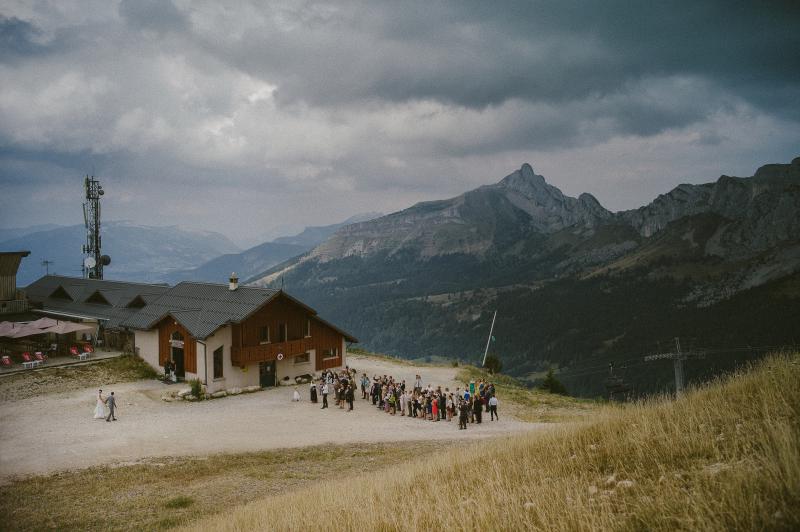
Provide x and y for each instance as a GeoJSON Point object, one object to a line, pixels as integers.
{"type": "Point", "coordinates": [493, 364]}
{"type": "Point", "coordinates": [553, 385]}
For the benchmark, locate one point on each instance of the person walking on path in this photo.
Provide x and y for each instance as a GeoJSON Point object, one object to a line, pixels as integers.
{"type": "Point", "coordinates": [477, 409]}
{"type": "Point", "coordinates": [463, 413]}
{"type": "Point", "coordinates": [111, 403]}
{"type": "Point", "coordinates": [493, 407]}
{"type": "Point", "coordinates": [418, 384]}
{"type": "Point", "coordinates": [349, 396]}
{"type": "Point", "coordinates": [100, 407]}
{"type": "Point", "coordinates": [325, 395]}
{"type": "Point", "coordinates": [313, 392]}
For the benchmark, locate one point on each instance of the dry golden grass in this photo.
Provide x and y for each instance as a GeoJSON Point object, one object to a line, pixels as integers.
{"type": "Point", "coordinates": [164, 493]}
{"type": "Point", "coordinates": [726, 457]}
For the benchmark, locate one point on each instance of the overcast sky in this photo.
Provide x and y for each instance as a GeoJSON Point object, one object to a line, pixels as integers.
{"type": "Point", "coordinates": [241, 117]}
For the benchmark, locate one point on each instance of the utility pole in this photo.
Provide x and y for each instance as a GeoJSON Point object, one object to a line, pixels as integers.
{"type": "Point", "coordinates": [489, 340]}
{"type": "Point", "coordinates": [677, 358]}
{"type": "Point", "coordinates": [678, 363]}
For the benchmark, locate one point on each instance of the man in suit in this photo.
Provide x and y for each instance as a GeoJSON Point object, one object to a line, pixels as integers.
{"type": "Point", "coordinates": [112, 404]}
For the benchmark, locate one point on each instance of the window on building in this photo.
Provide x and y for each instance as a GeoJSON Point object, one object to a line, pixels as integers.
{"type": "Point", "coordinates": [302, 359]}
{"type": "Point", "coordinates": [97, 298]}
{"type": "Point", "coordinates": [60, 293]}
{"type": "Point", "coordinates": [330, 353]}
{"type": "Point", "coordinates": [282, 332]}
{"type": "Point", "coordinates": [263, 334]}
{"type": "Point", "coordinates": [137, 302]}
{"type": "Point", "coordinates": [308, 328]}
{"type": "Point", "coordinates": [218, 371]}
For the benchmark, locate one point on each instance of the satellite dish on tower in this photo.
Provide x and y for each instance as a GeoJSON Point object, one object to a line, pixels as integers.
{"type": "Point", "coordinates": [89, 263]}
{"type": "Point", "coordinates": [105, 260]}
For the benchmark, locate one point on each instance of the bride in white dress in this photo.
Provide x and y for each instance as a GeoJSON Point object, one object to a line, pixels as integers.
{"type": "Point", "coordinates": [100, 409]}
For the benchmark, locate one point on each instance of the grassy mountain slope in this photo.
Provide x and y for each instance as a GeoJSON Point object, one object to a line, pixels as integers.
{"type": "Point", "coordinates": [725, 457]}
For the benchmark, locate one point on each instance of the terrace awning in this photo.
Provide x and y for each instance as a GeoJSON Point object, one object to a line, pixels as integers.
{"type": "Point", "coordinates": [66, 327]}
{"type": "Point", "coordinates": [23, 330]}
{"type": "Point", "coordinates": [44, 322]}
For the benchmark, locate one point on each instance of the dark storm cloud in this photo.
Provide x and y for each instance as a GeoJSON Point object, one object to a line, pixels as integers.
{"type": "Point", "coordinates": [30, 166]}
{"type": "Point", "coordinates": [157, 15]}
{"type": "Point", "coordinates": [478, 54]}
{"type": "Point", "coordinates": [259, 101]}
{"type": "Point", "coordinates": [19, 38]}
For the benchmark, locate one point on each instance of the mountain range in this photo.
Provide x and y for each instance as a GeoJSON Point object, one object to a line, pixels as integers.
{"type": "Point", "coordinates": [157, 254]}
{"type": "Point", "coordinates": [575, 285]}
{"type": "Point", "coordinates": [138, 252]}
{"type": "Point", "coordinates": [263, 256]}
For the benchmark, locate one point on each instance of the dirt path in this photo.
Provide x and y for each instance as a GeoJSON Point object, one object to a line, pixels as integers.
{"type": "Point", "coordinates": [56, 432]}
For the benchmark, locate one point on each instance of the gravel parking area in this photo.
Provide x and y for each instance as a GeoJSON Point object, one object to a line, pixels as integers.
{"type": "Point", "coordinates": [55, 432]}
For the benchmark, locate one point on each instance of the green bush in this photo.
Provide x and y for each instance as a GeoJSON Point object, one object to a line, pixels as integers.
{"type": "Point", "coordinates": [553, 385]}
{"type": "Point", "coordinates": [197, 388]}
{"type": "Point", "coordinates": [493, 364]}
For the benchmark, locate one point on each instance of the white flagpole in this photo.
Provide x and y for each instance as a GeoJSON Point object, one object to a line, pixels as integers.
{"type": "Point", "coordinates": [486, 352]}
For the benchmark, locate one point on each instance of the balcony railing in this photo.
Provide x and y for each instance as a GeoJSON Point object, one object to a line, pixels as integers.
{"type": "Point", "coordinates": [243, 356]}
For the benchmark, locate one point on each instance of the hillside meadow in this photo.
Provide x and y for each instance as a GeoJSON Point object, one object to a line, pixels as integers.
{"type": "Point", "coordinates": [723, 457]}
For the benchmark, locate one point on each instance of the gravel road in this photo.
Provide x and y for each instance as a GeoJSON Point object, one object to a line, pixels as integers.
{"type": "Point", "coordinates": [56, 432]}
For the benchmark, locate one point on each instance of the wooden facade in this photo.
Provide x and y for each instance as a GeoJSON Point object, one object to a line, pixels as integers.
{"type": "Point", "coordinates": [166, 328]}
{"type": "Point", "coordinates": [283, 326]}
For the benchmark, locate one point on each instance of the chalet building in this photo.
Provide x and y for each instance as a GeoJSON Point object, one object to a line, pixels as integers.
{"type": "Point", "coordinates": [12, 301]}
{"type": "Point", "coordinates": [105, 304]}
{"type": "Point", "coordinates": [228, 336]}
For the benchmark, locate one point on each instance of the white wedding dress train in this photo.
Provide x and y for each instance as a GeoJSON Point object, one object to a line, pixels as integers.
{"type": "Point", "coordinates": [100, 409]}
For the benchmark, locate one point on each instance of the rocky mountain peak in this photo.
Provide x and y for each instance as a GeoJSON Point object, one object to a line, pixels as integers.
{"type": "Point", "coordinates": [526, 181]}
{"type": "Point", "coordinates": [779, 174]}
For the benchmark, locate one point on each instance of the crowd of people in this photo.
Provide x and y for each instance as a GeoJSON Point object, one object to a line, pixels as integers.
{"type": "Point", "coordinates": [415, 401]}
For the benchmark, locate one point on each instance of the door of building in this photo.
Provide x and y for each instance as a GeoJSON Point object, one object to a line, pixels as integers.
{"type": "Point", "coordinates": [176, 348]}
{"type": "Point", "coordinates": [266, 372]}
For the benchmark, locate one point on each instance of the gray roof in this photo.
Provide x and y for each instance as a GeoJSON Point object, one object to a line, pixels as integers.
{"type": "Point", "coordinates": [200, 307]}
{"type": "Point", "coordinates": [118, 294]}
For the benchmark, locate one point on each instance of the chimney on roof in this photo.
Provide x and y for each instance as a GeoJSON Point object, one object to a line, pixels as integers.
{"type": "Point", "coordinates": [233, 283]}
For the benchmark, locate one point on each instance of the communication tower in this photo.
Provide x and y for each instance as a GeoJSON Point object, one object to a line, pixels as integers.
{"type": "Point", "coordinates": [93, 262]}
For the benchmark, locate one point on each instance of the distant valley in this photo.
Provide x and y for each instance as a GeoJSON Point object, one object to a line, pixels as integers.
{"type": "Point", "coordinates": [157, 254]}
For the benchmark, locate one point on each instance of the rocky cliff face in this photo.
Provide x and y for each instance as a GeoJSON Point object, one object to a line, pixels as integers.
{"type": "Point", "coordinates": [471, 223]}
{"type": "Point", "coordinates": [731, 197]}
{"type": "Point", "coordinates": [524, 217]}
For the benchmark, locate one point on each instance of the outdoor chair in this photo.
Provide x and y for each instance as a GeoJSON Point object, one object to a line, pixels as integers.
{"type": "Point", "coordinates": [6, 361]}
{"type": "Point", "coordinates": [28, 361]}
{"type": "Point", "coordinates": [77, 354]}
{"type": "Point", "coordinates": [41, 357]}
{"type": "Point", "coordinates": [87, 348]}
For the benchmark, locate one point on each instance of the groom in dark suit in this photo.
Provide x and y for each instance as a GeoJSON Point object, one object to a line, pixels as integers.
{"type": "Point", "coordinates": [112, 403]}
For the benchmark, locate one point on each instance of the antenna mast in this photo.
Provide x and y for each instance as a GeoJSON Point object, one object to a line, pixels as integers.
{"type": "Point", "coordinates": [93, 262]}
{"type": "Point", "coordinates": [489, 340]}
